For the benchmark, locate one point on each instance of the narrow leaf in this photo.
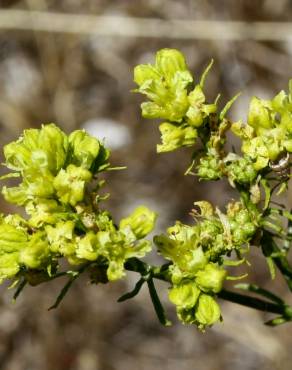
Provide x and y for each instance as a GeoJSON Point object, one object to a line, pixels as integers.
{"type": "Point", "coordinates": [189, 169]}
{"type": "Point", "coordinates": [157, 304]}
{"type": "Point", "coordinates": [228, 106]}
{"type": "Point", "coordinates": [134, 292]}
{"type": "Point", "coordinates": [240, 277]}
{"type": "Point", "coordinates": [234, 263]}
{"type": "Point", "coordinates": [277, 321]}
{"type": "Point", "coordinates": [205, 73]}
{"type": "Point", "coordinates": [19, 289]}
{"type": "Point", "coordinates": [62, 294]}
{"type": "Point", "coordinates": [267, 190]}
{"type": "Point", "coordinates": [73, 276]}
{"type": "Point", "coordinates": [217, 99]}
{"type": "Point", "coordinates": [271, 267]}
{"type": "Point", "coordinates": [10, 175]}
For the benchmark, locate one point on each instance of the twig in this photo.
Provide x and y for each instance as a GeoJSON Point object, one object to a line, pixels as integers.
{"type": "Point", "coordinates": [43, 21]}
{"type": "Point", "coordinates": [252, 302]}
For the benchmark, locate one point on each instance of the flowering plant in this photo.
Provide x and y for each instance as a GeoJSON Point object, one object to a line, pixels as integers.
{"type": "Point", "coordinates": [58, 184]}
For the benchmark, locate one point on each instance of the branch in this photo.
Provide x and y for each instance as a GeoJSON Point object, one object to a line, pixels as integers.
{"type": "Point", "coordinates": [251, 302]}
{"type": "Point", "coordinates": [259, 304]}
{"type": "Point", "coordinates": [83, 24]}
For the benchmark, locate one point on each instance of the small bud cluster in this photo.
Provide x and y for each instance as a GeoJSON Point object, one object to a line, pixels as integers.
{"type": "Point", "coordinates": [241, 170]}
{"type": "Point", "coordinates": [210, 167]}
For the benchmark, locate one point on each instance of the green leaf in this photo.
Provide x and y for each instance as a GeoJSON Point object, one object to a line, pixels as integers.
{"type": "Point", "coordinates": [134, 292]}
{"type": "Point", "coordinates": [239, 277]}
{"type": "Point", "coordinates": [10, 175]}
{"type": "Point", "coordinates": [228, 106]}
{"type": "Point", "coordinates": [266, 186]}
{"type": "Point", "coordinates": [277, 321]}
{"type": "Point", "coordinates": [234, 263]}
{"type": "Point", "coordinates": [271, 267]}
{"type": "Point", "coordinates": [73, 276]}
{"type": "Point", "coordinates": [63, 293]}
{"type": "Point", "coordinates": [157, 304]}
{"type": "Point", "coordinates": [20, 288]}
{"type": "Point", "coordinates": [205, 73]}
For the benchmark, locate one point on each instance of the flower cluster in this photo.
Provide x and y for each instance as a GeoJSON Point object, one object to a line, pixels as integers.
{"type": "Point", "coordinates": [268, 134]}
{"type": "Point", "coordinates": [197, 255]}
{"type": "Point", "coordinates": [266, 138]}
{"type": "Point", "coordinates": [167, 85]}
{"type": "Point", "coordinates": [58, 186]}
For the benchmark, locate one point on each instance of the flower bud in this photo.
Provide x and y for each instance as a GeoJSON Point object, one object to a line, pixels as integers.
{"type": "Point", "coordinates": [12, 239]}
{"type": "Point", "coordinates": [242, 217]}
{"type": "Point", "coordinates": [174, 137]}
{"type": "Point", "coordinates": [211, 278]}
{"type": "Point", "coordinates": [259, 115]}
{"type": "Point", "coordinates": [141, 222]}
{"type": "Point", "coordinates": [184, 295]}
{"type": "Point", "coordinates": [9, 265]}
{"type": "Point", "coordinates": [36, 253]}
{"type": "Point", "coordinates": [45, 148]}
{"type": "Point", "coordinates": [165, 85]}
{"type": "Point", "coordinates": [249, 229]}
{"type": "Point", "coordinates": [87, 247]}
{"type": "Point", "coordinates": [144, 73]}
{"type": "Point", "coordinates": [170, 61]}
{"type": "Point", "coordinates": [70, 184]}
{"type": "Point", "coordinates": [59, 235]}
{"type": "Point", "coordinates": [84, 149]}
{"type": "Point", "coordinates": [207, 311]}
{"type": "Point", "coordinates": [186, 316]}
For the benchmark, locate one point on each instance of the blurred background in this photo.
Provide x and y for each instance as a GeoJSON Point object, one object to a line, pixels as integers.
{"type": "Point", "coordinates": [71, 62]}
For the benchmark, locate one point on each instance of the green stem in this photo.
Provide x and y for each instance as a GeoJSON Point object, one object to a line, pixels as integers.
{"type": "Point", "coordinates": [149, 272]}
{"type": "Point", "coordinates": [271, 249]}
{"type": "Point", "coordinates": [157, 272]}
{"type": "Point", "coordinates": [252, 302]}
{"type": "Point", "coordinates": [245, 198]}
{"type": "Point", "coordinates": [244, 300]}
